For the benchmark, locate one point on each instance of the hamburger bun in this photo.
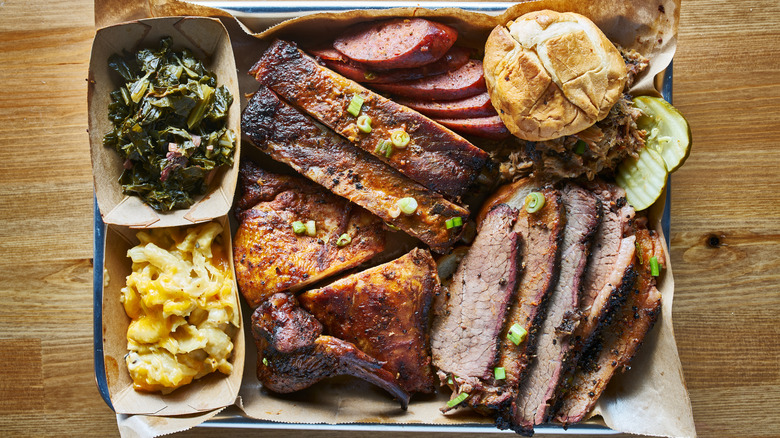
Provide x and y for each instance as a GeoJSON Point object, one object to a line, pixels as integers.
{"type": "Point", "coordinates": [551, 74]}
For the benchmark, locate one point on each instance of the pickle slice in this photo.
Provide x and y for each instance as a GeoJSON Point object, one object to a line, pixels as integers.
{"type": "Point", "coordinates": [668, 132]}
{"type": "Point", "coordinates": [642, 178]}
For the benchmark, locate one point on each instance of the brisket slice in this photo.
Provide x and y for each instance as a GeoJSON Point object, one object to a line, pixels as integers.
{"type": "Point", "coordinates": [542, 233]}
{"type": "Point", "coordinates": [436, 157]}
{"type": "Point", "coordinates": [609, 273]}
{"type": "Point", "coordinates": [621, 339]}
{"type": "Point", "coordinates": [464, 338]}
{"type": "Point", "coordinates": [293, 138]}
{"type": "Point", "coordinates": [583, 214]}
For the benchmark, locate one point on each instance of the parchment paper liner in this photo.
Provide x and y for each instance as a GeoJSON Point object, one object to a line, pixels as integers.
{"type": "Point", "coordinates": [209, 41]}
{"type": "Point", "coordinates": [212, 392]}
{"type": "Point", "coordinates": [649, 399]}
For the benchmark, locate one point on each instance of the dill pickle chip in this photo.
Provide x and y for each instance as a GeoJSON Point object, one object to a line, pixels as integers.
{"type": "Point", "coordinates": [667, 130]}
{"type": "Point", "coordinates": [642, 178]}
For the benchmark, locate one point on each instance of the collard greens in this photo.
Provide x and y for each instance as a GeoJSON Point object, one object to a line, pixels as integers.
{"type": "Point", "coordinates": [169, 121]}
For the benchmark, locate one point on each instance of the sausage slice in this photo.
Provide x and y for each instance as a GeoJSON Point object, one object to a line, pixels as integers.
{"type": "Point", "coordinates": [396, 43]}
{"type": "Point", "coordinates": [475, 106]}
{"type": "Point", "coordinates": [455, 58]}
{"type": "Point", "coordinates": [485, 127]}
{"type": "Point", "coordinates": [466, 81]}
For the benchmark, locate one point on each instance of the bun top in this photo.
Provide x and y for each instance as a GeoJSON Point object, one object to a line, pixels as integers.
{"type": "Point", "coordinates": [551, 74]}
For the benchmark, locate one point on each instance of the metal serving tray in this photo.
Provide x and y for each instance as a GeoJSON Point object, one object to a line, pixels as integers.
{"type": "Point", "coordinates": [267, 13]}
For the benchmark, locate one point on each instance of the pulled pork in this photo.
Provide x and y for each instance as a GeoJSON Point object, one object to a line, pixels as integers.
{"type": "Point", "coordinates": [589, 153]}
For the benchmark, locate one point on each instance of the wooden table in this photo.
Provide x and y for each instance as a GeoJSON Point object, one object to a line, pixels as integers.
{"type": "Point", "coordinates": [725, 237]}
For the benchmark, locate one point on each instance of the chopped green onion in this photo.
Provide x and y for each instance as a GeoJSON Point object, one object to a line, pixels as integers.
{"type": "Point", "coordinates": [516, 334]}
{"type": "Point", "coordinates": [450, 381]}
{"type": "Point", "coordinates": [364, 123]}
{"type": "Point", "coordinates": [384, 147]}
{"type": "Point", "coordinates": [369, 75]}
{"type": "Point", "coordinates": [344, 240]}
{"type": "Point", "coordinates": [453, 222]}
{"type": "Point", "coordinates": [298, 227]}
{"type": "Point", "coordinates": [392, 227]}
{"type": "Point", "coordinates": [265, 361]}
{"type": "Point", "coordinates": [407, 205]}
{"type": "Point", "coordinates": [534, 202]}
{"type": "Point", "coordinates": [458, 400]}
{"type": "Point", "coordinates": [499, 373]}
{"type": "Point", "coordinates": [311, 228]}
{"type": "Point", "coordinates": [655, 269]}
{"type": "Point", "coordinates": [639, 252]}
{"type": "Point", "coordinates": [579, 147]}
{"type": "Point", "coordinates": [354, 105]}
{"type": "Point", "coordinates": [400, 138]}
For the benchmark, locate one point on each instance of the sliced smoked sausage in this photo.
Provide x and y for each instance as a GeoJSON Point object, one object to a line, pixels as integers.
{"type": "Point", "coordinates": [485, 127]}
{"type": "Point", "coordinates": [475, 106]}
{"type": "Point", "coordinates": [466, 81]}
{"type": "Point", "coordinates": [455, 58]}
{"type": "Point", "coordinates": [396, 43]}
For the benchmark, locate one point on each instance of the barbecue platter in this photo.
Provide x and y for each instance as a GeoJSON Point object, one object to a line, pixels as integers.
{"type": "Point", "coordinates": [441, 217]}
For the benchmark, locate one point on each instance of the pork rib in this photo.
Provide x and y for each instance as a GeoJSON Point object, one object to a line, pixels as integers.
{"type": "Point", "coordinates": [293, 138]}
{"type": "Point", "coordinates": [436, 157]}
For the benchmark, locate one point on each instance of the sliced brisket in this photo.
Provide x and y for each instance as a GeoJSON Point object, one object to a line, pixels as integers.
{"type": "Point", "coordinates": [620, 340]}
{"type": "Point", "coordinates": [464, 338]}
{"type": "Point", "coordinates": [583, 215]}
{"type": "Point", "coordinates": [542, 233]}
{"type": "Point", "coordinates": [610, 271]}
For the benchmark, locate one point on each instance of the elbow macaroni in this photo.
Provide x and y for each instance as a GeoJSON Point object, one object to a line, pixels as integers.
{"type": "Point", "coordinates": [182, 301]}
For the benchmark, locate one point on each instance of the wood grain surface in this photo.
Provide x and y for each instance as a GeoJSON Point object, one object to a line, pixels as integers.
{"type": "Point", "coordinates": [725, 227]}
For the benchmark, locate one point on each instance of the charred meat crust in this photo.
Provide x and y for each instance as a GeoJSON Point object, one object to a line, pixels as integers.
{"type": "Point", "coordinates": [293, 354]}
{"type": "Point", "coordinates": [620, 340]}
{"type": "Point", "coordinates": [436, 157]}
{"type": "Point", "coordinates": [293, 138]}
{"type": "Point", "coordinates": [385, 311]}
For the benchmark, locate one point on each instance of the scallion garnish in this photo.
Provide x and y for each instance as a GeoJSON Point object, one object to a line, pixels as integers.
{"type": "Point", "coordinates": [369, 75]}
{"type": "Point", "coordinates": [639, 253]}
{"type": "Point", "coordinates": [354, 105]}
{"type": "Point", "coordinates": [298, 227]}
{"type": "Point", "coordinates": [499, 373]}
{"type": "Point", "coordinates": [516, 334]}
{"type": "Point", "coordinates": [311, 228]}
{"type": "Point", "coordinates": [400, 138]}
{"type": "Point", "coordinates": [655, 269]}
{"type": "Point", "coordinates": [384, 147]}
{"type": "Point", "coordinates": [407, 205]}
{"type": "Point", "coordinates": [579, 147]}
{"type": "Point", "coordinates": [453, 222]}
{"type": "Point", "coordinates": [265, 361]}
{"type": "Point", "coordinates": [534, 202]}
{"type": "Point", "coordinates": [450, 381]}
{"type": "Point", "coordinates": [364, 123]}
{"type": "Point", "coordinates": [458, 400]}
{"type": "Point", "coordinates": [344, 240]}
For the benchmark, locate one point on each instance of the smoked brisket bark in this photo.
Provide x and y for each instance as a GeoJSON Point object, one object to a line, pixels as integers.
{"type": "Point", "coordinates": [583, 214]}
{"type": "Point", "coordinates": [385, 311]}
{"type": "Point", "coordinates": [610, 271]}
{"type": "Point", "coordinates": [436, 157]}
{"type": "Point", "coordinates": [292, 353]}
{"type": "Point", "coordinates": [464, 337]}
{"type": "Point", "coordinates": [620, 340]}
{"type": "Point", "coordinates": [293, 138]}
